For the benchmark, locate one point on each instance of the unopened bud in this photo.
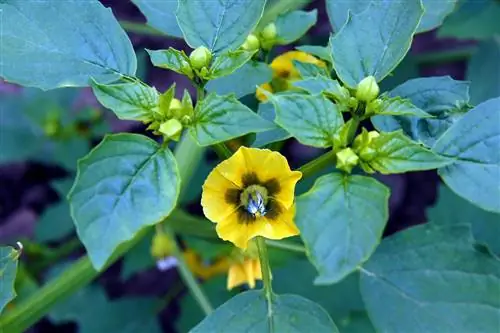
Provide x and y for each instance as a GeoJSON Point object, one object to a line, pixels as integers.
{"type": "Point", "coordinates": [252, 43]}
{"type": "Point", "coordinates": [367, 89]}
{"type": "Point", "coordinates": [269, 32]}
{"type": "Point", "coordinates": [364, 139]}
{"type": "Point", "coordinates": [373, 107]}
{"type": "Point", "coordinates": [172, 129]}
{"type": "Point", "coordinates": [346, 160]}
{"type": "Point", "coordinates": [200, 57]}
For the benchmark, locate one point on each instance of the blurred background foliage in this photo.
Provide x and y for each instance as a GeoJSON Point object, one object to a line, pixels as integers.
{"type": "Point", "coordinates": [44, 133]}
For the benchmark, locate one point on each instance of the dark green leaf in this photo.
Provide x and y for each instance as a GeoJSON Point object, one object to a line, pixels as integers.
{"type": "Point", "coordinates": [430, 279]}
{"type": "Point", "coordinates": [8, 268]}
{"type": "Point", "coordinates": [55, 223]}
{"type": "Point", "coordinates": [450, 209]}
{"type": "Point", "coordinates": [248, 312]}
{"type": "Point", "coordinates": [441, 97]}
{"type": "Point", "coordinates": [317, 85]}
{"type": "Point", "coordinates": [129, 101]}
{"type": "Point", "coordinates": [310, 70]}
{"type": "Point", "coordinates": [293, 25]}
{"type": "Point", "coordinates": [266, 111]}
{"type": "Point", "coordinates": [484, 71]}
{"type": "Point", "coordinates": [474, 141]}
{"type": "Point", "coordinates": [171, 59]}
{"type": "Point", "coordinates": [341, 220]}
{"type": "Point", "coordinates": [365, 47]}
{"type": "Point", "coordinates": [218, 25]}
{"type": "Point", "coordinates": [242, 81]}
{"type": "Point", "coordinates": [160, 15]}
{"type": "Point", "coordinates": [396, 153]}
{"type": "Point", "coordinates": [228, 62]}
{"type": "Point", "coordinates": [51, 44]}
{"type": "Point", "coordinates": [126, 183]}
{"type": "Point", "coordinates": [312, 120]}
{"type": "Point", "coordinates": [220, 118]}
{"type": "Point", "coordinates": [397, 106]}
{"type": "Point", "coordinates": [321, 52]}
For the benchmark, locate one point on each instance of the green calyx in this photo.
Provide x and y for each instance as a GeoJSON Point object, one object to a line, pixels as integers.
{"type": "Point", "coordinates": [252, 43]}
{"type": "Point", "coordinates": [200, 58]}
{"type": "Point", "coordinates": [367, 89]}
{"type": "Point", "coordinates": [346, 160]}
{"type": "Point", "coordinates": [172, 129]}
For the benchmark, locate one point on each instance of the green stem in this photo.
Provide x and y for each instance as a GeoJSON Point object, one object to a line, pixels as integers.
{"type": "Point", "coordinates": [188, 277]}
{"type": "Point", "coordinates": [317, 164]}
{"type": "Point", "coordinates": [288, 246]}
{"type": "Point", "coordinates": [265, 267]}
{"type": "Point", "coordinates": [222, 151]}
{"type": "Point", "coordinates": [353, 128]}
{"type": "Point", "coordinates": [141, 29]}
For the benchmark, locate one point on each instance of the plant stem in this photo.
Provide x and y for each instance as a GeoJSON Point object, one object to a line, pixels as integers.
{"type": "Point", "coordinates": [317, 164]}
{"type": "Point", "coordinates": [284, 245]}
{"type": "Point", "coordinates": [266, 271]}
{"type": "Point", "coordinates": [142, 29]}
{"type": "Point", "coordinates": [188, 277]}
{"type": "Point", "coordinates": [222, 151]}
{"type": "Point", "coordinates": [353, 128]}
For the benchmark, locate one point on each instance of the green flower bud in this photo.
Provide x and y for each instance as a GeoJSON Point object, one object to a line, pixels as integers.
{"type": "Point", "coordinates": [373, 107]}
{"type": "Point", "coordinates": [200, 57]}
{"type": "Point", "coordinates": [269, 32]}
{"type": "Point", "coordinates": [172, 129]}
{"type": "Point", "coordinates": [367, 89]}
{"type": "Point", "coordinates": [252, 43]}
{"type": "Point", "coordinates": [175, 108]}
{"type": "Point", "coordinates": [346, 160]}
{"type": "Point", "coordinates": [161, 246]}
{"type": "Point", "coordinates": [364, 139]}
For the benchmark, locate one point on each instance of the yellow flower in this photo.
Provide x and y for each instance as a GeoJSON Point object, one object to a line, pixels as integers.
{"type": "Point", "coordinates": [204, 270]}
{"type": "Point", "coordinates": [241, 272]}
{"type": "Point", "coordinates": [251, 194]}
{"type": "Point", "coordinates": [284, 71]}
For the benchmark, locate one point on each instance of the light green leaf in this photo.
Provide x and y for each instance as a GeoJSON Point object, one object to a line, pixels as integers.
{"type": "Point", "coordinates": [228, 62]}
{"type": "Point", "coordinates": [483, 71]}
{"type": "Point", "coordinates": [171, 59]}
{"type": "Point", "coordinates": [218, 25]}
{"type": "Point", "coordinates": [442, 97]}
{"type": "Point", "coordinates": [160, 15]}
{"type": "Point", "coordinates": [397, 106]}
{"type": "Point", "coordinates": [474, 141]}
{"type": "Point", "coordinates": [129, 101]}
{"type": "Point", "coordinates": [293, 25]}
{"type": "Point", "coordinates": [341, 220]}
{"type": "Point", "coordinates": [321, 52]}
{"type": "Point", "coordinates": [242, 81]}
{"type": "Point", "coordinates": [266, 111]}
{"type": "Point", "coordinates": [87, 306]}
{"type": "Point", "coordinates": [396, 153]}
{"type": "Point", "coordinates": [54, 223]}
{"type": "Point", "coordinates": [126, 183]}
{"type": "Point", "coordinates": [365, 47]}
{"type": "Point", "coordinates": [312, 120]}
{"type": "Point", "coordinates": [310, 70]}
{"type": "Point", "coordinates": [434, 14]}
{"type": "Point", "coordinates": [220, 118]}
{"type": "Point", "coordinates": [450, 209]}
{"type": "Point", "coordinates": [8, 268]}
{"type": "Point", "coordinates": [431, 279]}
{"type": "Point", "coordinates": [319, 84]}
{"type": "Point", "coordinates": [51, 44]}
{"type": "Point", "coordinates": [473, 20]}
{"type": "Point", "coordinates": [248, 312]}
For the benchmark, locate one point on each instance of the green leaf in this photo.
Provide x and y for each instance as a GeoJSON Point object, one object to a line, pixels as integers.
{"type": "Point", "coordinates": [450, 209]}
{"type": "Point", "coordinates": [126, 183]}
{"type": "Point", "coordinates": [54, 223]}
{"type": "Point", "coordinates": [434, 12]}
{"type": "Point", "coordinates": [312, 120]}
{"type": "Point", "coordinates": [171, 59]}
{"type": "Point", "coordinates": [266, 111]}
{"type": "Point", "coordinates": [248, 312]}
{"type": "Point", "coordinates": [220, 118]}
{"type": "Point", "coordinates": [483, 71]}
{"type": "Point", "coordinates": [397, 106]}
{"type": "Point", "coordinates": [51, 44]}
{"type": "Point", "coordinates": [87, 306]}
{"type": "Point", "coordinates": [319, 84]}
{"type": "Point", "coordinates": [8, 268]}
{"type": "Point", "coordinates": [321, 52]}
{"type": "Point", "coordinates": [431, 279]}
{"type": "Point", "coordinates": [341, 220]}
{"type": "Point", "coordinates": [228, 62]}
{"type": "Point", "coordinates": [160, 15]}
{"type": "Point", "coordinates": [473, 20]}
{"type": "Point", "coordinates": [365, 47]}
{"type": "Point", "coordinates": [473, 141]}
{"type": "Point", "coordinates": [309, 70]}
{"type": "Point", "coordinates": [218, 25]}
{"type": "Point", "coordinates": [396, 153]}
{"type": "Point", "coordinates": [441, 97]}
{"type": "Point", "coordinates": [242, 81]}
{"type": "Point", "coordinates": [129, 101]}
{"type": "Point", "coordinates": [293, 25]}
